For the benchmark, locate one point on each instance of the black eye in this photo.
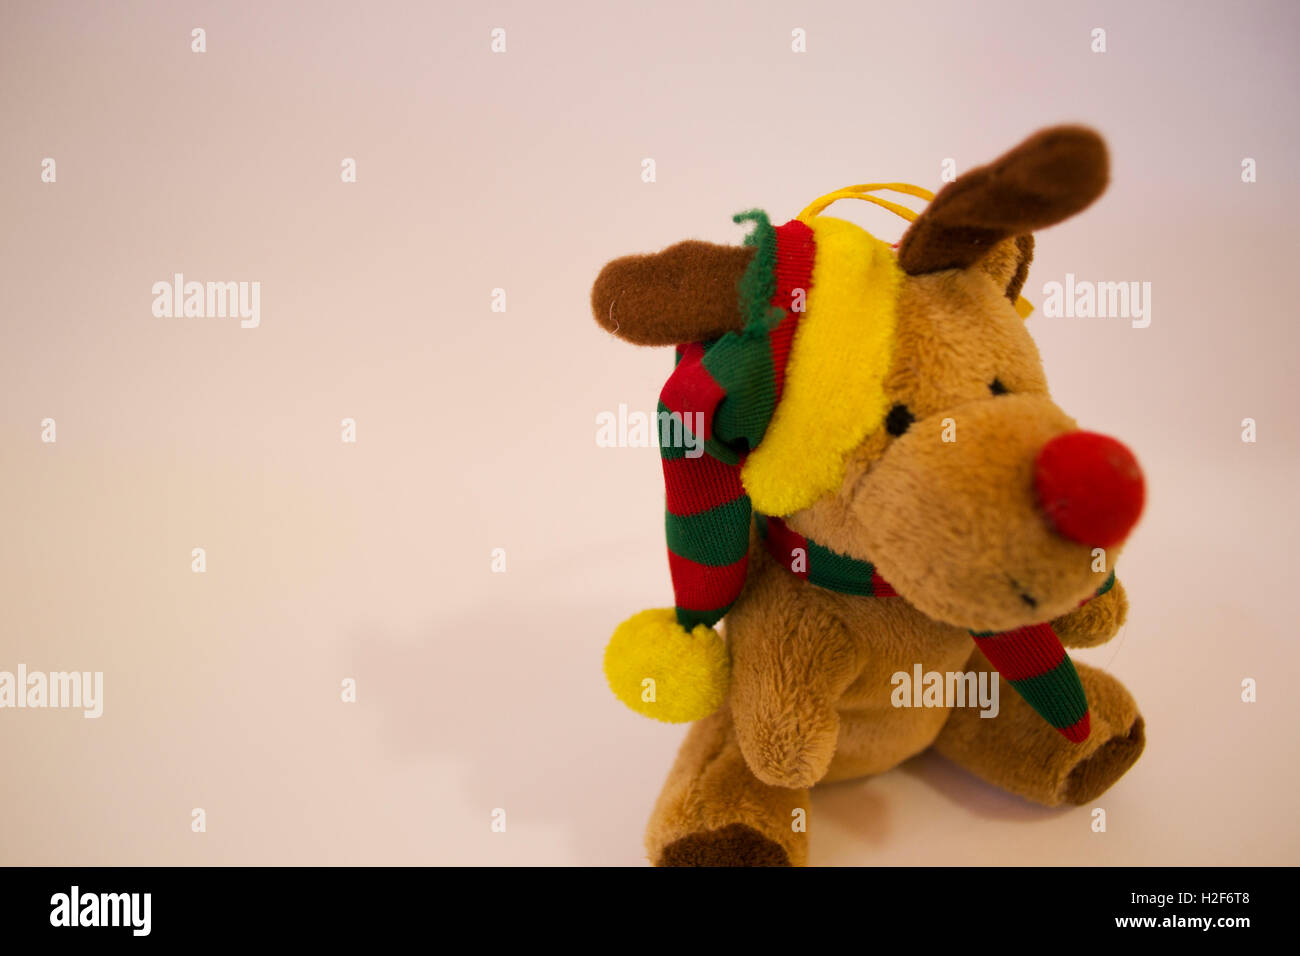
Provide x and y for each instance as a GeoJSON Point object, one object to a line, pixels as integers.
{"type": "Point", "coordinates": [997, 388]}
{"type": "Point", "coordinates": [898, 420]}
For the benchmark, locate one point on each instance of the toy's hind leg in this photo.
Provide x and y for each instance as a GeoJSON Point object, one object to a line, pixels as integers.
{"type": "Point", "coordinates": [713, 811]}
{"type": "Point", "coordinates": [1018, 751]}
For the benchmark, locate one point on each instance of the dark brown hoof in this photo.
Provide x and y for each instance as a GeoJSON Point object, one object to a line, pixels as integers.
{"type": "Point", "coordinates": [1095, 775]}
{"type": "Point", "coordinates": [733, 845]}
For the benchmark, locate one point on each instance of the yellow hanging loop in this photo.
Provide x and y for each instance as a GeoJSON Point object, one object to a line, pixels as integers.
{"type": "Point", "coordinates": [862, 191]}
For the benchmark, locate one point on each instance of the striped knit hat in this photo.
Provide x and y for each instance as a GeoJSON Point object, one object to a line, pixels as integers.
{"type": "Point", "coordinates": [777, 414]}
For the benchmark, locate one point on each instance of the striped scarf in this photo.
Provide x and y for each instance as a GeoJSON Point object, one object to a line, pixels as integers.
{"type": "Point", "coordinates": [1031, 658]}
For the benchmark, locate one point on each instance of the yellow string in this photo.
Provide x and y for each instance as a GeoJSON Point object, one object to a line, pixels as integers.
{"type": "Point", "coordinates": [861, 191]}
{"type": "Point", "coordinates": [857, 192]}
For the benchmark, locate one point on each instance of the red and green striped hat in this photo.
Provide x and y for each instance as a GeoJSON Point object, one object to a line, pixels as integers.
{"type": "Point", "coordinates": [776, 413]}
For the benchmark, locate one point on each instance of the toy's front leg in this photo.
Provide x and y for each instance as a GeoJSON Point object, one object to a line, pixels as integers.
{"type": "Point", "coordinates": [713, 811]}
{"type": "Point", "coordinates": [791, 662]}
{"type": "Point", "coordinates": [738, 793]}
{"type": "Point", "coordinates": [1018, 751]}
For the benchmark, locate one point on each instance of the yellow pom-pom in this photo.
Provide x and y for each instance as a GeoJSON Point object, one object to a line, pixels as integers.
{"type": "Point", "coordinates": [658, 668]}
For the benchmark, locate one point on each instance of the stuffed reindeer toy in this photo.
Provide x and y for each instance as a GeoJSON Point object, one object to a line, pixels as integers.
{"type": "Point", "coordinates": [867, 477]}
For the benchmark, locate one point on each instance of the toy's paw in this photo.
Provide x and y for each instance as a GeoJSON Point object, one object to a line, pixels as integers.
{"type": "Point", "coordinates": [1096, 622]}
{"type": "Point", "coordinates": [732, 845]}
{"type": "Point", "coordinates": [787, 740]}
{"type": "Point", "coordinates": [661, 670]}
{"type": "Point", "coordinates": [792, 755]}
{"type": "Point", "coordinates": [1095, 775]}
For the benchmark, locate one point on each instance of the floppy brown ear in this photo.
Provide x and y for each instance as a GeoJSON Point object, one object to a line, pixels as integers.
{"type": "Point", "coordinates": [687, 293]}
{"type": "Point", "coordinates": [1049, 177]}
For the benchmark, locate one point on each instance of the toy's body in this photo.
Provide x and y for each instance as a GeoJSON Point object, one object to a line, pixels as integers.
{"type": "Point", "coordinates": [812, 701]}
{"type": "Point", "coordinates": [968, 489]}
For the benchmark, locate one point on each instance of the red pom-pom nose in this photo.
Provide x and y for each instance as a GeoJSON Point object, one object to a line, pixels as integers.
{"type": "Point", "coordinates": [1090, 488]}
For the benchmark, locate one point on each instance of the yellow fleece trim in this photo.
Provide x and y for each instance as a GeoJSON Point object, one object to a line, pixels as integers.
{"type": "Point", "coordinates": [834, 381]}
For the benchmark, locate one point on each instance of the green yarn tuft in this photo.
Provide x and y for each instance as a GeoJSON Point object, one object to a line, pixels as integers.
{"type": "Point", "coordinates": [758, 284]}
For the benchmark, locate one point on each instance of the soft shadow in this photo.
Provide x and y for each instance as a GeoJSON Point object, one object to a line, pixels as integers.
{"type": "Point", "coordinates": [962, 788]}
{"type": "Point", "coordinates": [855, 805]}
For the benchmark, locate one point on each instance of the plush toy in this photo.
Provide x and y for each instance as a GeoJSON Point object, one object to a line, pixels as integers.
{"type": "Point", "coordinates": [867, 477]}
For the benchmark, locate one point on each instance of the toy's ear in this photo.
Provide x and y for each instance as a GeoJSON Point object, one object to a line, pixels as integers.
{"type": "Point", "coordinates": [1047, 178]}
{"type": "Point", "coordinates": [687, 293]}
{"type": "Point", "coordinates": [1008, 264]}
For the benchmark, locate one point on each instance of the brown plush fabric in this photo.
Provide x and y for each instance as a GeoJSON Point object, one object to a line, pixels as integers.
{"type": "Point", "coordinates": [1007, 264]}
{"type": "Point", "coordinates": [1017, 751]}
{"type": "Point", "coordinates": [1049, 177]}
{"type": "Point", "coordinates": [733, 845]}
{"type": "Point", "coordinates": [786, 691]}
{"type": "Point", "coordinates": [686, 293]}
{"type": "Point", "coordinates": [1096, 622]}
{"type": "Point", "coordinates": [1001, 262]}
{"type": "Point", "coordinates": [954, 525]}
{"type": "Point", "coordinates": [1025, 246]}
{"type": "Point", "coordinates": [1094, 775]}
{"type": "Point", "coordinates": [711, 789]}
